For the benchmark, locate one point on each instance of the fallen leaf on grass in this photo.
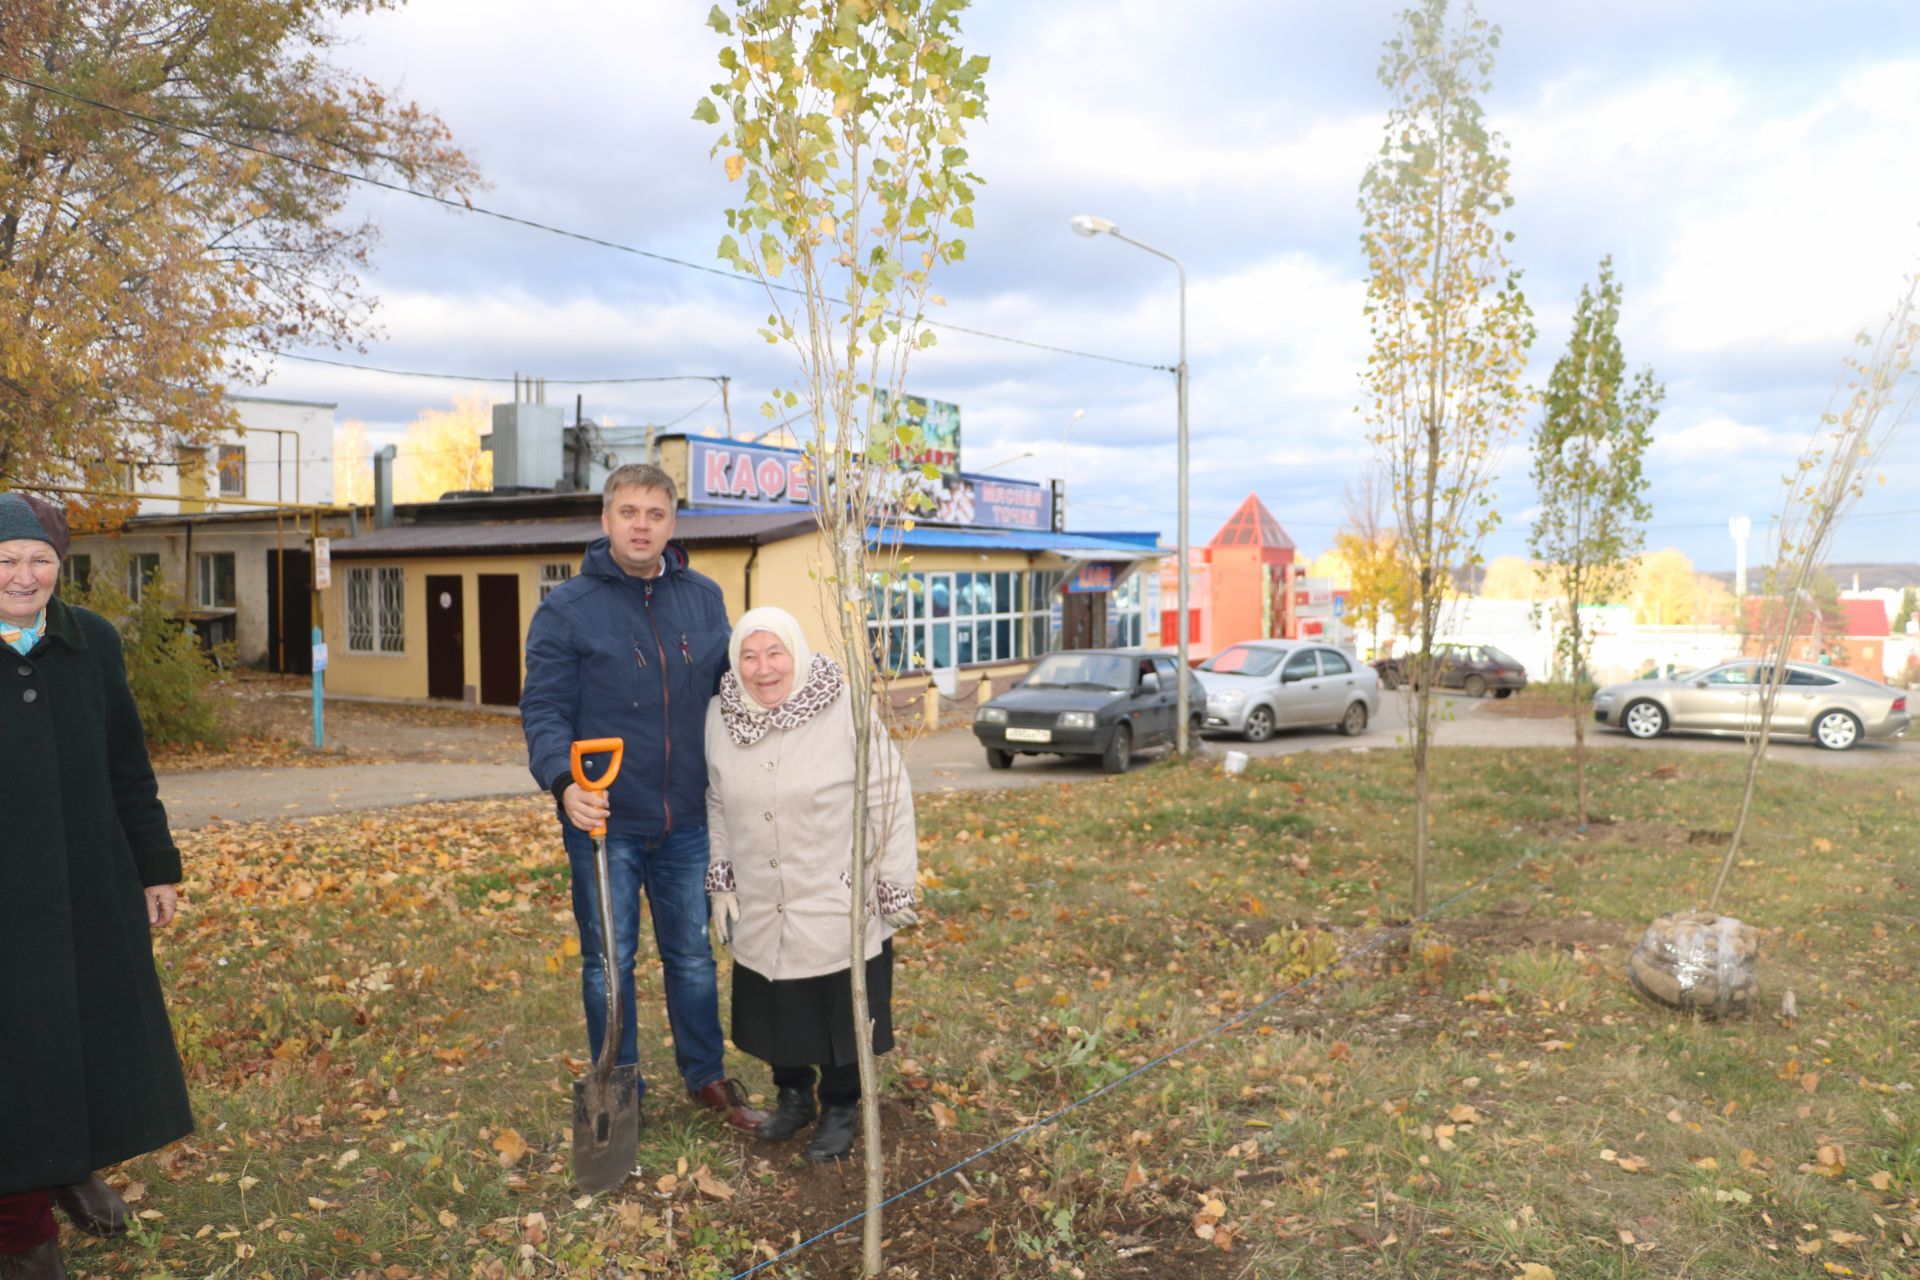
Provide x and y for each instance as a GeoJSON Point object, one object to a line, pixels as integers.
{"type": "Point", "coordinates": [533, 1229]}
{"type": "Point", "coordinates": [449, 1219]}
{"type": "Point", "coordinates": [708, 1185]}
{"type": "Point", "coordinates": [512, 1148]}
{"type": "Point", "coordinates": [1463, 1114]}
{"type": "Point", "coordinates": [1534, 1271]}
{"type": "Point", "coordinates": [943, 1116]}
{"type": "Point", "coordinates": [1880, 1180]}
{"type": "Point", "coordinates": [1136, 1178]}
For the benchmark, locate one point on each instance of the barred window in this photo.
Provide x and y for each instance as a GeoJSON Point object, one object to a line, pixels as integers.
{"type": "Point", "coordinates": [376, 610]}
{"type": "Point", "coordinates": [551, 576]}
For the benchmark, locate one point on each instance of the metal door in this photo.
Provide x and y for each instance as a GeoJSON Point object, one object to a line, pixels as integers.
{"type": "Point", "coordinates": [500, 639]}
{"type": "Point", "coordinates": [1716, 701]}
{"type": "Point", "coordinates": [446, 637]}
{"type": "Point", "coordinates": [1294, 698]}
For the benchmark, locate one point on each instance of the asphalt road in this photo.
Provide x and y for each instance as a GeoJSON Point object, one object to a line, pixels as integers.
{"type": "Point", "coordinates": [948, 760]}
{"type": "Point", "coordinates": [953, 759]}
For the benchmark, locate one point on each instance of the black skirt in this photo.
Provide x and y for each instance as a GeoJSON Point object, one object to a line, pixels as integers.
{"type": "Point", "coordinates": [809, 1021]}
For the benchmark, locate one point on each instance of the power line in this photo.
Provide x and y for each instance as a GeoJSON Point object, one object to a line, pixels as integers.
{"type": "Point", "coordinates": [484, 377]}
{"type": "Point", "coordinates": [467, 206]}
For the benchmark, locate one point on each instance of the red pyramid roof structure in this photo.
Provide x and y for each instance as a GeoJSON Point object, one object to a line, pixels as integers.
{"type": "Point", "coordinates": [1252, 526]}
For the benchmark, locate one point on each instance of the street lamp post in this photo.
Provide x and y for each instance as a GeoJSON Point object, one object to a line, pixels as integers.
{"type": "Point", "coordinates": [1087, 225]}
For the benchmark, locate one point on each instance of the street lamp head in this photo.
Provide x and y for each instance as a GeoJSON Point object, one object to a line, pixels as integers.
{"type": "Point", "coordinates": [1085, 224]}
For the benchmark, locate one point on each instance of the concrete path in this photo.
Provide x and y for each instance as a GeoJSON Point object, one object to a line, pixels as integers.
{"type": "Point", "coordinates": [195, 797]}
{"type": "Point", "coordinates": [948, 760]}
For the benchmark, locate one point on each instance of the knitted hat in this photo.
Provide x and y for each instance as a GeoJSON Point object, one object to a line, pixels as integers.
{"type": "Point", "coordinates": [24, 518]}
{"type": "Point", "coordinates": [784, 627]}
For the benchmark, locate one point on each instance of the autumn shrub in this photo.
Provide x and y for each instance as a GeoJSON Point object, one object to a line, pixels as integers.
{"type": "Point", "coordinates": [170, 674]}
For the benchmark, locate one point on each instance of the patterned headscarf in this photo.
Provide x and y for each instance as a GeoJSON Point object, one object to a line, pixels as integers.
{"type": "Point", "coordinates": [817, 680]}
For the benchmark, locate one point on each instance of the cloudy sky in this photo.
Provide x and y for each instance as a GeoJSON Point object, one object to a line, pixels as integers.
{"type": "Point", "coordinates": [1753, 166]}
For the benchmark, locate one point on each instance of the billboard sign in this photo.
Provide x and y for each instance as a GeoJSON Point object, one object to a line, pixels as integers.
{"type": "Point", "coordinates": [937, 424]}
{"type": "Point", "coordinates": [723, 471]}
{"type": "Point", "coordinates": [729, 473]}
{"type": "Point", "coordinates": [1090, 579]}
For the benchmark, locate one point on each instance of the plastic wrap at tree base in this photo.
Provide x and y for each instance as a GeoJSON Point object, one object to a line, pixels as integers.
{"type": "Point", "coordinates": [1697, 961]}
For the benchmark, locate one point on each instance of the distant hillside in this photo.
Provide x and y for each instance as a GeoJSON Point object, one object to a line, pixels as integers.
{"type": "Point", "coordinates": [1872, 576]}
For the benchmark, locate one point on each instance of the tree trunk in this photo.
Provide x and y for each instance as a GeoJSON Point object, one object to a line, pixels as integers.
{"type": "Point", "coordinates": [1579, 724]}
{"type": "Point", "coordinates": [1422, 700]}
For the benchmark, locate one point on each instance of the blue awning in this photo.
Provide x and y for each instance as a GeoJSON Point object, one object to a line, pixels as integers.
{"type": "Point", "coordinates": [1114, 546]}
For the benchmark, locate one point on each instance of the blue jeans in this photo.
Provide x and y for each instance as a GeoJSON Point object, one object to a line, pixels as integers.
{"type": "Point", "coordinates": [672, 869]}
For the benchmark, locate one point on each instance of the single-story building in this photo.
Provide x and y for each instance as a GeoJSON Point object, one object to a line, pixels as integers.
{"type": "Point", "coordinates": [437, 604]}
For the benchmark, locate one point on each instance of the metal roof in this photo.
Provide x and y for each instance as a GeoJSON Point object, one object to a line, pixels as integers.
{"type": "Point", "coordinates": [486, 537]}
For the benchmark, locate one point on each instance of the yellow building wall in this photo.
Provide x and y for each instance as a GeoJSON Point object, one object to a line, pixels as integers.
{"type": "Point", "coordinates": [785, 573]}
{"type": "Point", "coordinates": [404, 675]}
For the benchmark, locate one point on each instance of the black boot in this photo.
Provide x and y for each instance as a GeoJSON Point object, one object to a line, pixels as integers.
{"type": "Point", "coordinates": [794, 1113]}
{"type": "Point", "coordinates": [94, 1207]}
{"type": "Point", "coordinates": [839, 1121]}
{"type": "Point", "coordinates": [42, 1262]}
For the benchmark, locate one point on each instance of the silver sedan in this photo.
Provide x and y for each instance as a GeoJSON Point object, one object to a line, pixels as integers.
{"type": "Point", "coordinates": [1261, 685]}
{"type": "Point", "coordinates": [1834, 708]}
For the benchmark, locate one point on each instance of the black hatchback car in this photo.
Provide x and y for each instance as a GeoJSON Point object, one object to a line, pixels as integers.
{"type": "Point", "coordinates": [1089, 702]}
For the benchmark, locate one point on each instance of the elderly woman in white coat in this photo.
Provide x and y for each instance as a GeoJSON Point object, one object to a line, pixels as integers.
{"type": "Point", "coordinates": [780, 762]}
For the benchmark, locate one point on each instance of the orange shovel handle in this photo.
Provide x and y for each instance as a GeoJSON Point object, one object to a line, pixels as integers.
{"type": "Point", "coordinates": [615, 747]}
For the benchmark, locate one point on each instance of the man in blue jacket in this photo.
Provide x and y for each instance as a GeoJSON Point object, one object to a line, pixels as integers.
{"type": "Point", "coordinates": [633, 648]}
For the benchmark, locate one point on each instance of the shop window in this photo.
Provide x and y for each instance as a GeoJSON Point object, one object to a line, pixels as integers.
{"type": "Point", "coordinates": [214, 570]}
{"type": "Point", "coordinates": [551, 576]}
{"type": "Point", "coordinates": [141, 570]}
{"type": "Point", "coordinates": [76, 571]}
{"type": "Point", "coordinates": [937, 620]}
{"type": "Point", "coordinates": [231, 467]}
{"type": "Point", "coordinates": [1126, 619]}
{"type": "Point", "coordinates": [1044, 611]}
{"type": "Point", "coordinates": [376, 617]}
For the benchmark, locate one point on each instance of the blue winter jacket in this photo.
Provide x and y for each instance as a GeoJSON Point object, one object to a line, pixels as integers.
{"type": "Point", "coordinates": [614, 656]}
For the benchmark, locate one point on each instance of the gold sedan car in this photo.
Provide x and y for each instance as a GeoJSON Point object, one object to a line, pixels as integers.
{"type": "Point", "coordinates": [1835, 708]}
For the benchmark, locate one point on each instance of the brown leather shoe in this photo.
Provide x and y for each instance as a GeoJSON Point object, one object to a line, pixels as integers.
{"type": "Point", "coordinates": [94, 1207]}
{"type": "Point", "coordinates": [42, 1262]}
{"type": "Point", "coordinates": [730, 1100]}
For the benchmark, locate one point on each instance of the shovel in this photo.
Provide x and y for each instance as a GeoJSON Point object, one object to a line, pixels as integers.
{"type": "Point", "coordinates": [606, 1101]}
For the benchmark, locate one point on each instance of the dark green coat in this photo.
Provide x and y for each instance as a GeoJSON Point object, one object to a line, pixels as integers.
{"type": "Point", "coordinates": [88, 1071]}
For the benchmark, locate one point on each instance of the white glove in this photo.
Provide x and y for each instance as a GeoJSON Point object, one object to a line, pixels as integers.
{"type": "Point", "coordinates": [726, 913]}
{"type": "Point", "coordinates": [900, 919]}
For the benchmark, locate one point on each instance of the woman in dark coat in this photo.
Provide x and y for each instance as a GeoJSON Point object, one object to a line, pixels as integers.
{"type": "Point", "coordinates": [88, 1073]}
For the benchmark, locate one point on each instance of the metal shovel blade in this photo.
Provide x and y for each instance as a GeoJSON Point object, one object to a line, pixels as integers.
{"type": "Point", "coordinates": [606, 1128]}
{"type": "Point", "coordinates": [606, 1101]}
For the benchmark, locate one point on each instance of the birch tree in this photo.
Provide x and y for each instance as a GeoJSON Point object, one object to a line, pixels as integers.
{"type": "Point", "coordinates": [1587, 474]}
{"type": "Point", "coordinates": [1874, 400]}
{"type": "Point", "coordinates": [1449, 323]}
{"type": "Point", "coordinates": [844, 121]}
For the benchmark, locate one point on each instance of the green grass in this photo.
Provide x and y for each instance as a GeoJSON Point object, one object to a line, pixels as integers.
{"type": "Point", "coordinates": [370, 1007]}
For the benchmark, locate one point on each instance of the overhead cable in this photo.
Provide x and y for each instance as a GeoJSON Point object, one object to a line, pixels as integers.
{"type": "Point", "coordinates": [467, 206]}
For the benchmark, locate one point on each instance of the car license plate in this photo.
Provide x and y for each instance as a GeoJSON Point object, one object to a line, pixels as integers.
{"type": "Point", "coordinates": [1029, 735]}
